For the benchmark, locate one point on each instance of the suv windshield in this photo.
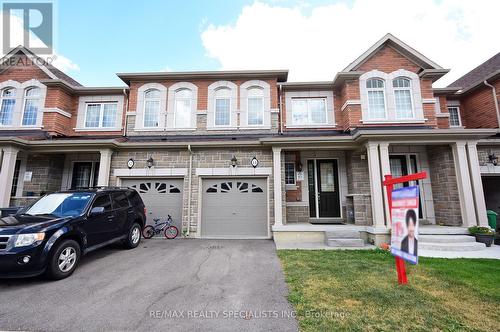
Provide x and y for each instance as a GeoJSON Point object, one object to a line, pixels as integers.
{"type": "Point", "coordinates": [60, 205]}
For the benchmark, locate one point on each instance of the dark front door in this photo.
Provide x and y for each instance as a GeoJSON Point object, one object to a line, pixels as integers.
{"type": "Point", "coordinates": [324, 201]}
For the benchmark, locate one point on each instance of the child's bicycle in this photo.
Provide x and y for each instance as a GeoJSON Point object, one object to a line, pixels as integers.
{"type": "Point", "coordinates": [169, 230]}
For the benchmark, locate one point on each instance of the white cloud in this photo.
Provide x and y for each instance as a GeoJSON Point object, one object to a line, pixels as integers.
{"type": "Point", "coordinates": [16, 38]}
{"type": "Point", "coordinates": [315, 42]}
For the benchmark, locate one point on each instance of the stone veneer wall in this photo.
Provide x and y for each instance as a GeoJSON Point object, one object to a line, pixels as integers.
{"type": "Point", "coordinates": [444, 186]}
{"type": "Point", "coordinates": [202, 158]}
{"type": "Point", "coordinates": [297, 213]}
{"type": "Point", "coordinates": [484, 151]}
{"type": "Point", "coordinates": [47, 173]}
{"type": "Point", "coordinates": [358, 184]}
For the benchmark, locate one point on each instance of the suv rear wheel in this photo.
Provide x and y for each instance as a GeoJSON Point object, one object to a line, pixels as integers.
{"type": "Point", "coordinates": [63, 260]}
{"type": "Point", "coordinates": [134, 236]}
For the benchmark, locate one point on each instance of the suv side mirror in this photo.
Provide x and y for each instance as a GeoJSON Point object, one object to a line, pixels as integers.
{"type": "Point", "coordinates": [96, 211]}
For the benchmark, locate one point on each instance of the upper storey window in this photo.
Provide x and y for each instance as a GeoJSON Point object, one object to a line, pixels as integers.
{"type": "Point", "coordinates": [31, 106]}
{"type": "Point", "coordinates": [183, 98]}
{"type": "Point", "coordinates": [391, 98]}
{"type": "Point", "coordinates": [376, 98]}
{"type": "Point", "coordinates": [402, 98]}
{"type": "Point", "coordinates": [101, 115]}
{"type": "Point", "coordinates": [7, 107]}
{"type": "Point", "coordinates": [308, 111]}
{"type": "Point", "coordinates": [151, 108]}
{"type": "Point", "coordinates": [255, 106]}
{"type": "Point", "coordinates": [222, 107]}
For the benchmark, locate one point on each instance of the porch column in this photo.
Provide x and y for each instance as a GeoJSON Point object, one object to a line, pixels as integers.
{"type": "Point", "coordinates": [464, 184]}
{"type": "Point", "coordinates": [385, 170]}
{"type": "Point", "coordinates": [278, 206]}
{"type": "Point", "coordinates": [9, 155]}
{"type": "Point", "coordinates": [477, 184]}
{"type": "Point", "coordinates": [375, 185]}
{"type": "Point", "coordinates": [104, 167]}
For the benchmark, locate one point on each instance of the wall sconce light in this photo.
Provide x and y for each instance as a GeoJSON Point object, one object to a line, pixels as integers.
{"type": "Point", "coordinates": [299, 167]}
{"type": "Point", "coordinates": [150, 162]}
{"type": "Point", "coordinates": [234, 161]}
{"type": "Point", "coordinates": [493, 159]}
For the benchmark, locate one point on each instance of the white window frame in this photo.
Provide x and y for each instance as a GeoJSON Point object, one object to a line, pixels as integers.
{"type": "Point", "coordinates": [146, 99]}
{"type": "Point", "coordinates": [245, 95]}
{"type": "Point", "coordinates": [458, 115]}
{"type": "Point", "coordinates": [294, 174]}
{"type": "Point", "coordinates": [172, 105]}
{"type": "Point", "coordinates": [2, 98]}
{"type": "Point", "coordinates": [309, 113]}
{"type": "Point", "coordinates": [215, 112]}
{"type": "Point", "coordinates": [262, 111]}
{"type": "Point", "coordinates": [176, 99]}
{"type": "Point", "coordinates": [233, 105]}
{"type": "Point", "coordinates": [101, 114]}
{"type": "Point", "coordinates": [390, 103]}
{"type": "Point", "coordinates": [410, 90]}
{"type": "Point", "coordinates": [25, 99]}
{"type": "Point", "coordinates": [384, 94]}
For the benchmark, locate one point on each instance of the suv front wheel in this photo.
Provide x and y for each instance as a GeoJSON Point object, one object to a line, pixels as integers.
{"type": "Point", "coordinates": [134, 236]}
{"type": "Point", "coordinates": [63, 260]}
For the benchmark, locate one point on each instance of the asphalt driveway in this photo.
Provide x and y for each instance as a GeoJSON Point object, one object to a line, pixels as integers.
{"type": "Point", "coordinates": [176, 285]}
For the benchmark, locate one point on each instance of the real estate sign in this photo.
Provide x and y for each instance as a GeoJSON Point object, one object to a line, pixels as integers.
{"type": "Point", "coordinates": [404, 234]}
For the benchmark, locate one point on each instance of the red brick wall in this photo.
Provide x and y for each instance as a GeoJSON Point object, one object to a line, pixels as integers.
{"type": "Point", "coordinates": [388, 60]}
{"type": "Point", "coordinates": [202, 91]}
{"type": "Point", "coordinates": [478, 107]}
{"type": "Point", "coordinates": [22, 73]}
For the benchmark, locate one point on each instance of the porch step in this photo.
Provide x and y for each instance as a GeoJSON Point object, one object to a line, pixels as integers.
{"type": "Point", "coordinates": [348, 238]}
{"type": "Point", "coordinates": [351, 243]}
{"type": "Point", "coordinates": [463, 246]}
{"type": "Point", "coordinates": [446, 239]}
{"type": "Point", "coordinates": [343, 234]}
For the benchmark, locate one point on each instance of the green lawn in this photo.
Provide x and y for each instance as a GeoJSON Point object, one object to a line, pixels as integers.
{"type": "Point", "coordinates": [358, 291]}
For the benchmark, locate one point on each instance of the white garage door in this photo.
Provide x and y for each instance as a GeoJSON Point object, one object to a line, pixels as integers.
{"type": "Point", "coordinates": [234, 208]}
{"type": "Point", "coordinates": [162, 197]}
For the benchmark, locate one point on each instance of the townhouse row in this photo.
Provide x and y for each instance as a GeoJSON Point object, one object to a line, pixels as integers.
{"type": "Point", "coordinates": [247, 154]}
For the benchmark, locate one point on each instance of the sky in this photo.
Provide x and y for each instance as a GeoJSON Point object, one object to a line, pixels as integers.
{"type": "Point", "coordinates": [314, 39]}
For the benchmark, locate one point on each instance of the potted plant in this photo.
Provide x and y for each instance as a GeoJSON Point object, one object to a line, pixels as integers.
{"type": "Point", "coordinates": [483, 234]}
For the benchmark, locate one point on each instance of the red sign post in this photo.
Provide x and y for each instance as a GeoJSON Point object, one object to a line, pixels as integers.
{"type": "Point", "coordinates": [389, 183]}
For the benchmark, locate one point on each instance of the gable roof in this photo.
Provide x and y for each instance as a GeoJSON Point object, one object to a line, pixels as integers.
{"type": "Point", "coordinates": [47, 68]}
{"type": "Point", "coordinates": [398, 45]}
{"type": "Point", "coordinates": [487, 69]}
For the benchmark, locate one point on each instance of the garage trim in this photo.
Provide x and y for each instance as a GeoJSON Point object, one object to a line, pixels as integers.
{"type": "Point", "coordinates": [225, 176]}
{"type": "Point", "coordinates": [150, 172]}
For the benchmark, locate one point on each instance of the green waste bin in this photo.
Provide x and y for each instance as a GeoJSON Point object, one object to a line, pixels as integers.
{"type": "Point", "coordinates": [492, 219]}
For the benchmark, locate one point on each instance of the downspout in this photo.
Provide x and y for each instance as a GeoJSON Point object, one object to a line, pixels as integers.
{"type": "Point", "coordinates": [189, 188]}
{"type": "Point", "coordinates": [280, 112]}
{"type": "Point", "coordinates": [125, 101]}
{"type": "Point", "coordinates": [495, 98]}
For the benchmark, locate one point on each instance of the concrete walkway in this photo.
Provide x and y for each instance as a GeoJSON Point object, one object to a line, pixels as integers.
{"type": "Point", "coordinates": [491, 252]}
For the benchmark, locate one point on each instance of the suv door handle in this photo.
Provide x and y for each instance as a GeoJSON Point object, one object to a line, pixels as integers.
{"type": "Point", "coordinates": [111, 217]}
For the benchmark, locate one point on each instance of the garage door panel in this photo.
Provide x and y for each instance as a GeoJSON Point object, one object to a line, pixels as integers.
{"type": "Point", "coordinates": [162, 197]}
{"type": "Point", "coordinates": [234, 208]}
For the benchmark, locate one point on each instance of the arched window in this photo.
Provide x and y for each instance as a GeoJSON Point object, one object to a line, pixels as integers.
{"type": "Point", "coordinates": [31, 106]}
{"type": "Point", "coordinates": [7, 106]}
{"type": "Point", "coordinates": [376, 98]}
{"type": "Point", "coordinates": [222, 107]}
{"type": "Point", "coordinates": [183, 99]}
{"type": "Point", "coordinates": [255, 106]}
{"type": "Point", "coordinates": [402, 98]}
{"type": "Point", "coordinates": [151, 108]}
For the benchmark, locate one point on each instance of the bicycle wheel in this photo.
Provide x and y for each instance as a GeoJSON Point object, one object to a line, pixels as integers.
{"type": "Point", "coordinates": [148, 232]}
{"type": "Point", "coordinates": [171, 232]}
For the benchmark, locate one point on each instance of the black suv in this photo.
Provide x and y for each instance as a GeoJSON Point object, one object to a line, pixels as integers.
{"type": "Point", "coordinates": [51, 235]}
